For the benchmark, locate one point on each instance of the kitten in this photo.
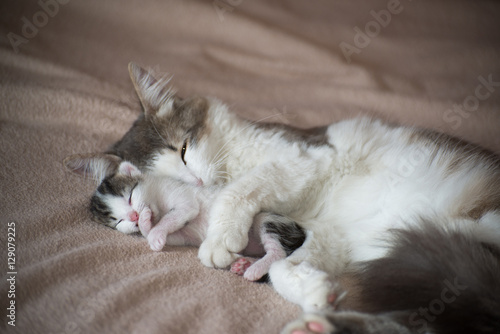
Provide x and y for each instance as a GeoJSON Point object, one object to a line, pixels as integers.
{"type": "Point", "coordinates": [350, 185]}
{"type": "Point", "coordinates": [168, 211]}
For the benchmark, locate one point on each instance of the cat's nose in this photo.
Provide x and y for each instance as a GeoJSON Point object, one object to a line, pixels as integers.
{"type": "Point", "coordinates": [133, 216]}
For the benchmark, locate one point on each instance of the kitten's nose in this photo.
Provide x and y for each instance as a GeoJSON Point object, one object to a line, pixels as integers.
{"type": "Point", "coordinates": [133, 216]}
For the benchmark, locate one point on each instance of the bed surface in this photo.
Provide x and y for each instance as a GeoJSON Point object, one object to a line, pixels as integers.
{"type": "Point", "coordinates": [64, 89]}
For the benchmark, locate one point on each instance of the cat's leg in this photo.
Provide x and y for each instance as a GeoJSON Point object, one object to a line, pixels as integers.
{"type": "Point", "coordinates": [297, 279]}
{"type": "Point", "coordinates": [145, 221]}
{"type": "Point", "coordinates": [345, 322]}
{"type": "Point", "coordinates": [280, 236]}
{"type": "Point", "coordinates": [255, 269]}
{"type": "Point", "coordinates": [261, 267]}
{"type": "Point", "coordinates": [305, 285]}
{"type": "Point", "coordinates": [271, 186]}
{"type": "Point", "coordinates": [172, 222]}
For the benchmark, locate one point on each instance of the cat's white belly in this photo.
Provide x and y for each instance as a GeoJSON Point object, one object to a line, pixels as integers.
{"type": "Point", "coordinates": [395, 191]}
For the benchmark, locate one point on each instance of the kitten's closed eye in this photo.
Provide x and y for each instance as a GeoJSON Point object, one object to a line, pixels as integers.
{"type": "Point", "coordinates": [131, 192]}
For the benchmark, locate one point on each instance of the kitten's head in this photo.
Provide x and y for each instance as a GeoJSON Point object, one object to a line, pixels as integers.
{"type": "Point", "coordinates": [114, 203]}
{"type": "Point", "coordinates": [173, 136]}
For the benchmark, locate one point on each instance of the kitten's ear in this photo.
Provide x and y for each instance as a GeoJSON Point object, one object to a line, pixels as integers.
{"type": "Point", "coordinates": [95, 165]}
{"type": "Point", "coordinates": [152, 92]}
{"type": "Point", "coordinates": [127, 168]}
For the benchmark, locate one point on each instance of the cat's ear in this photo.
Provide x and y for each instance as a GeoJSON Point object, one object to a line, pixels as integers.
{"type": "Point", "coordinates": [127, 168]}
{"type": "Point", "coordinates": [95, 165]}
{"type": "Point", "coordinates": [154, 93]}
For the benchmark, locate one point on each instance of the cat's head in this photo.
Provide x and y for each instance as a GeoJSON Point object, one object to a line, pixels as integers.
{"type": "Point", "coordinates": [173, 136]}
{"type": "Point", "coordinates": [114, 203]}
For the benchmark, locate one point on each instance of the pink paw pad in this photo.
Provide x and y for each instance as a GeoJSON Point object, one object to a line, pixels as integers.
{"type": "Point", "coordinates": [312, 327]}
{"type": "Point", "coordinates": [241, 265]}
{"type": "Point", "coordinates": [332, 298]}
{"type": "Point", "coordinates": [335, 298]}
{"type": "Point", "coordinates": [315, 327]}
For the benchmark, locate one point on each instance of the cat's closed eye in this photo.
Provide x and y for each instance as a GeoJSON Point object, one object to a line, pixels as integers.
{"type": "Point", "coordinates": [131, 192]}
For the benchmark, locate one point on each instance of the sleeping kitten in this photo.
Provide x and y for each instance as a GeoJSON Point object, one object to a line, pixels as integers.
{"type": "Point", "coordinates": [168, 211]}
{"type": "Point", "coordinates": [350, 185]}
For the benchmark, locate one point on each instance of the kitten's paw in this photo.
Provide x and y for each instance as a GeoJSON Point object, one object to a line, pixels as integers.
{"type": "Point", "coordinates": [309, 323]}
{"type": "Point", "coordinates": [240, 266]}
{"type": "Point", "coordinates": [157, 239]}
{"type": "Point", "coordinates": [220, 251]}
{"type": "Point", "coordinates": [145, 223]}
{"type": "Point", "coordinates": [256, 270]}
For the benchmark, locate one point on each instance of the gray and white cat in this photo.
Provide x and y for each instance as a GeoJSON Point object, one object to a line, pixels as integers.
{"type": "Point", "coordinates": [377, 200]}
{"type": "Point", "coordinates": [170, 212]}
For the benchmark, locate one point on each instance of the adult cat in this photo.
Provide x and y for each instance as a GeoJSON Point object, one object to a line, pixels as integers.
{"type": "Point", "coordinates": [351, 184]}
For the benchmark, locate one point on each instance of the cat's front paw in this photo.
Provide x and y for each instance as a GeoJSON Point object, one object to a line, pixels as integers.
{"type": "Point", "coordinates": [145, 223]}
{"type": "Point", "coordinates": [309, 323]}
{"type": "Point", "coordinates": [157, 239]}
{"type": "Point", "coordinates": [220, 251]}
{"type": "Point", "coordinates": [214, 254]}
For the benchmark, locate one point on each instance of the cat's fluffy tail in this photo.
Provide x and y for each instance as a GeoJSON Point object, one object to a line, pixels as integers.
{"type": "Point", "coordinates": [435, 281]}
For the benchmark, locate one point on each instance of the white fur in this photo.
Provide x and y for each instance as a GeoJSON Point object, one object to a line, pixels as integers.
{"type": "Point", "coordinates": [171, 212]}
{"type": "Point", "coordinates": [370, 179]}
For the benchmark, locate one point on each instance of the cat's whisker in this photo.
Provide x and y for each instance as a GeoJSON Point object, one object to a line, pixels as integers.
{"type": "Point", "coordinates": [252, 123]}
{"type": "Point", "coordinates": [216, 165]}
{"type": "Point", "coordinates": [228, 154]}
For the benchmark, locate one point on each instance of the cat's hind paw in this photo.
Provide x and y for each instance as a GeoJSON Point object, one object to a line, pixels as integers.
{"type": "Point", "coordinates": [240, 266]}
{"type": "Point", "coordinates": [320, 293]}
{"type": "Point", "coordinates": [309, 323]}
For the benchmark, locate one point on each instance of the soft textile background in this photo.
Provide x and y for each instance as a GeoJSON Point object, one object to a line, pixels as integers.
{"type": "Point", "coordinates": [64, 89]}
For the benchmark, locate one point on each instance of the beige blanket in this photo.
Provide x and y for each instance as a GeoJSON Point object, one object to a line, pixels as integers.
{"type": "Point", "coordinates": [64, 89]}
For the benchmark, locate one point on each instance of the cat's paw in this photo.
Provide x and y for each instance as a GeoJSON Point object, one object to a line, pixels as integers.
{"type": "Point", "coordinates": [309, 323]}
{"type": "Point", "coordinates": [220, 251]}
{"type": "Point", "coordinates": [240, 266]}
{"type": "Point", "coordinates": [321, 293]}
{"type": "Point", "coordinates": [145, 223]}
{"type": "Point", "coordinates": [256, 269]}
{"type": "Point", "coordinates": [214, 254]}
{"type": "Point", "coordinates": [304, 284]}
{"type": "Point", "coordinates": [157, 239]}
